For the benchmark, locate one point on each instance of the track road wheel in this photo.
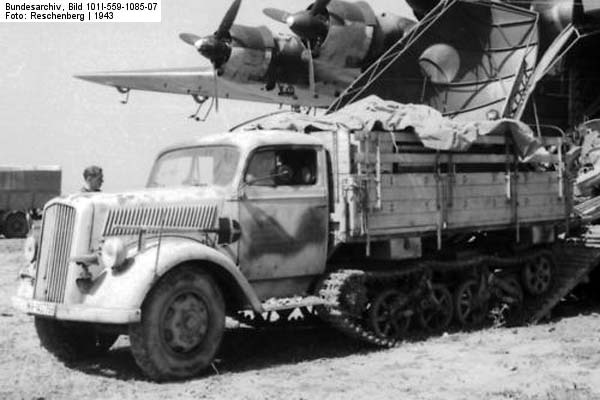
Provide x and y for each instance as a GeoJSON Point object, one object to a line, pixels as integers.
{"type": "Point", "coordinates": [537, 274]}
{"type": "Point", "coordinates": [16, 225]}
{"type": "Point", "coordinates": [389, 316]}
{"type": "Point", "coordinates": [438, 311]}
{"type": "Point", "coordinates": [183, 319]}
{"type": "Point", "coordinates": [470, 305]}
{"type": "Point", "coordinates": [70, 341]}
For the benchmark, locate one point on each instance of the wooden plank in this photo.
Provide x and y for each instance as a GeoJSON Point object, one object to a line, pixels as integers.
{"type": "Point", "coordinates": [431, 158]}
{"type": "Point", "coordinates": [462, 191]}
{"type": "Point", "coordinates": [427, 159]}
{"type": "Point", "coordinates": [410, 207]}
{"type": "Point", "coordinates": [470, 218]}
{"type": "Point", "coordinates": [474, 178]}
{"type": "Point", "coordinates": [463, 218]}
{"type": "Point", "coordinates": [410, 137]}
{"type": "Point", "coordinates": [402, 221]}
{"type": "Point", "coordinates": [473, 204]}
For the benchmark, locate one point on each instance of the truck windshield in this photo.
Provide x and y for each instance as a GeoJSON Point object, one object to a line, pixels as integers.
{"type": "Point", "coordinates": [196, 166]}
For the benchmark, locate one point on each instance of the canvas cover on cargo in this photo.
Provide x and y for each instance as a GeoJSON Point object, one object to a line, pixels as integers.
{"type": "Point", "coordinates": [433, 129]}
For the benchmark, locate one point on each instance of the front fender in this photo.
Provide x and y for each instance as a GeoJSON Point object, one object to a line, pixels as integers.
{"type": "Point", "coordinates": [128, 288]}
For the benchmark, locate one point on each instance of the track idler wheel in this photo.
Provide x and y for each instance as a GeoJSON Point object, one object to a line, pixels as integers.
{"type": "Point", "coordinates": [389, 315]}
{"type": "Point", "coordinates": [538, 274]}
{"type": "Point", "coordinates": [470, 303]}
{"type": "Point", "coordinates": [436, 314]}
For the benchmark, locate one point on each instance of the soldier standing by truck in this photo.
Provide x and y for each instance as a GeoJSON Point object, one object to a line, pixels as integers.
{"type": "Point", "coordinates": [93, 179]}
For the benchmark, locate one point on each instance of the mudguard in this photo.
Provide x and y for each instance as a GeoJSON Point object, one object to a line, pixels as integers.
{"type": "Point", "coordinates": [128, 288]}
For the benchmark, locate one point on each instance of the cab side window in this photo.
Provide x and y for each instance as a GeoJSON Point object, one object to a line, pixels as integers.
{"type": "Point", "coordinates": [260, 169]}
{"type": "Point", "coordinates": [282, 167]}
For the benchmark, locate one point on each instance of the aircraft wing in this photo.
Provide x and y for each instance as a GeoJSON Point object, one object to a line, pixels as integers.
{"type": "Point", "coordinates": [198, 81]}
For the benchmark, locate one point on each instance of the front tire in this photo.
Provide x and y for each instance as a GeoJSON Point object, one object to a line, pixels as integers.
{"type": "Point", "coordinates": [183, 319]}
{"type": "Point", "coordinates": [71, 341]}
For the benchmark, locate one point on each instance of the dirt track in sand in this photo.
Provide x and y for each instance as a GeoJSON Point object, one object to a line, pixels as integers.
{"type": "Point", "coordinates": [556, 360]}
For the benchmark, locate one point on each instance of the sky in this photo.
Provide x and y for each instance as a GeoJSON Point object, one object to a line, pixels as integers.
{"type": "Point", "coordinates": [47, 117]}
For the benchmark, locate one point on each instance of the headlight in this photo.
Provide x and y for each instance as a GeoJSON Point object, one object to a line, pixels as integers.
{"type": "Point", "coordinates": [30, 249]}
{"type": "Point", "coordinates": [113, 254]}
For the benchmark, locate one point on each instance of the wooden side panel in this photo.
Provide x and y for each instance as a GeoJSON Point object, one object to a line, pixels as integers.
{"type": "Point", "coordinates": [411, 190]}
{"type": "Point", "coordinates": [420, 202]}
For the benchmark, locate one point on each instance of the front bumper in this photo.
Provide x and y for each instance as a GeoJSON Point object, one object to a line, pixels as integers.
{"type": "Point", "coordinates": [76, 312]}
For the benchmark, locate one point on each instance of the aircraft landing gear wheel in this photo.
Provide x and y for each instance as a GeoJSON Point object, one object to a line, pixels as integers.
{"type": "Point", "coordinates": [183, 319]}
{"type": "Point", "coordinates": [537, 275]}
{"type": "Point", "coordinates": [16, 225]}
{"type": "Point", "coordinates": [389, 316]}
{"type": "Point", "coordinates": [439, 310]}
{"type": "Point", "coordinates": [470, 306]}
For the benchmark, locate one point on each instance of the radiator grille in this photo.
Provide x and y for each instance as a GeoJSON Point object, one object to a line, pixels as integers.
{"type": "Point", "coordinates": [55, 250]}
{"type": "Point", "coordinates": [128, 221]}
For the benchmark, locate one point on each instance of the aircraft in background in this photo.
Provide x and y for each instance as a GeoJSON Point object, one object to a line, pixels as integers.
{"type": "Point", "coordinates": [333, 42]}
{"type": "Point", "coordinates": [530, 60]}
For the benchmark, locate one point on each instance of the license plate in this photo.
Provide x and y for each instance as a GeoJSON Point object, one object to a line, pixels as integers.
{"type": "Point", "coordinates": [41, 308]}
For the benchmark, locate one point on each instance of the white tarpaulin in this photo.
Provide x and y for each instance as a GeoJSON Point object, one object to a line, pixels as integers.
{"type": "Point", "coordinates": [433, 129]}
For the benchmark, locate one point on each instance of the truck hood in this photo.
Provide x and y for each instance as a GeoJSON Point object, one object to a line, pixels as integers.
{"type": "Point", "coordinates": [150, 210]}
{"type": "Point", "coordinates": [152, 196]}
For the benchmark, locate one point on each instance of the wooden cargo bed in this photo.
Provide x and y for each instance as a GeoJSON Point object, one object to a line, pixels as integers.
{"type": "Point", "coordinates": [401, 188]}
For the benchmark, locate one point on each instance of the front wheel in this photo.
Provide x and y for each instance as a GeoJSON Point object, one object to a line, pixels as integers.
{"type": "Point", "coordinates": [70, 341]}
{"type": "Point", "coordinates": [183, 319]}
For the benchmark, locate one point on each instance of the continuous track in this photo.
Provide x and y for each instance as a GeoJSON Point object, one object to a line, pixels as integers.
{"type": "Point", "coordinates": [348, 293]}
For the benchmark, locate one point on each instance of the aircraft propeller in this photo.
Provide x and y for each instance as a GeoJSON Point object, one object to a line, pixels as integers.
{"type": "Point", "coordinates": [310, 25]}
{"type": "Point", "coordinates": [216, 47]}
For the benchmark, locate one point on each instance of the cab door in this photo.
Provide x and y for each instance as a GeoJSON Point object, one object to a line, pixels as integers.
{"type": "Point", "coordinates": [284, 213]}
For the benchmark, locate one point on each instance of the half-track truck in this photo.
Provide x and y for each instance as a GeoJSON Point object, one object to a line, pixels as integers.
{"type": "Point", "coordinates": [378, 233]}
{"type": "Point", "coordinates": [23, 192]}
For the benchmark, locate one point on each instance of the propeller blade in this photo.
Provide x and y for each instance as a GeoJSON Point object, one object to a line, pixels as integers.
{"type": "Point", "coordinates": [277, 14]}
{"type": "Point", "coordinates": [189, 38]}
{"type": "Point", "coordinates": [319, 7]}
{"type": "Point", "coordinates": [228, 20]}
{"type": "Point", "coordinates": [311, 69]}
{"type": "Point", "coordinates": [216, 89]}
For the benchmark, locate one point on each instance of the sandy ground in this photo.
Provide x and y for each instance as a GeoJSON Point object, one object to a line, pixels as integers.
{"type": "Point", "coordinates": [559, 359]}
